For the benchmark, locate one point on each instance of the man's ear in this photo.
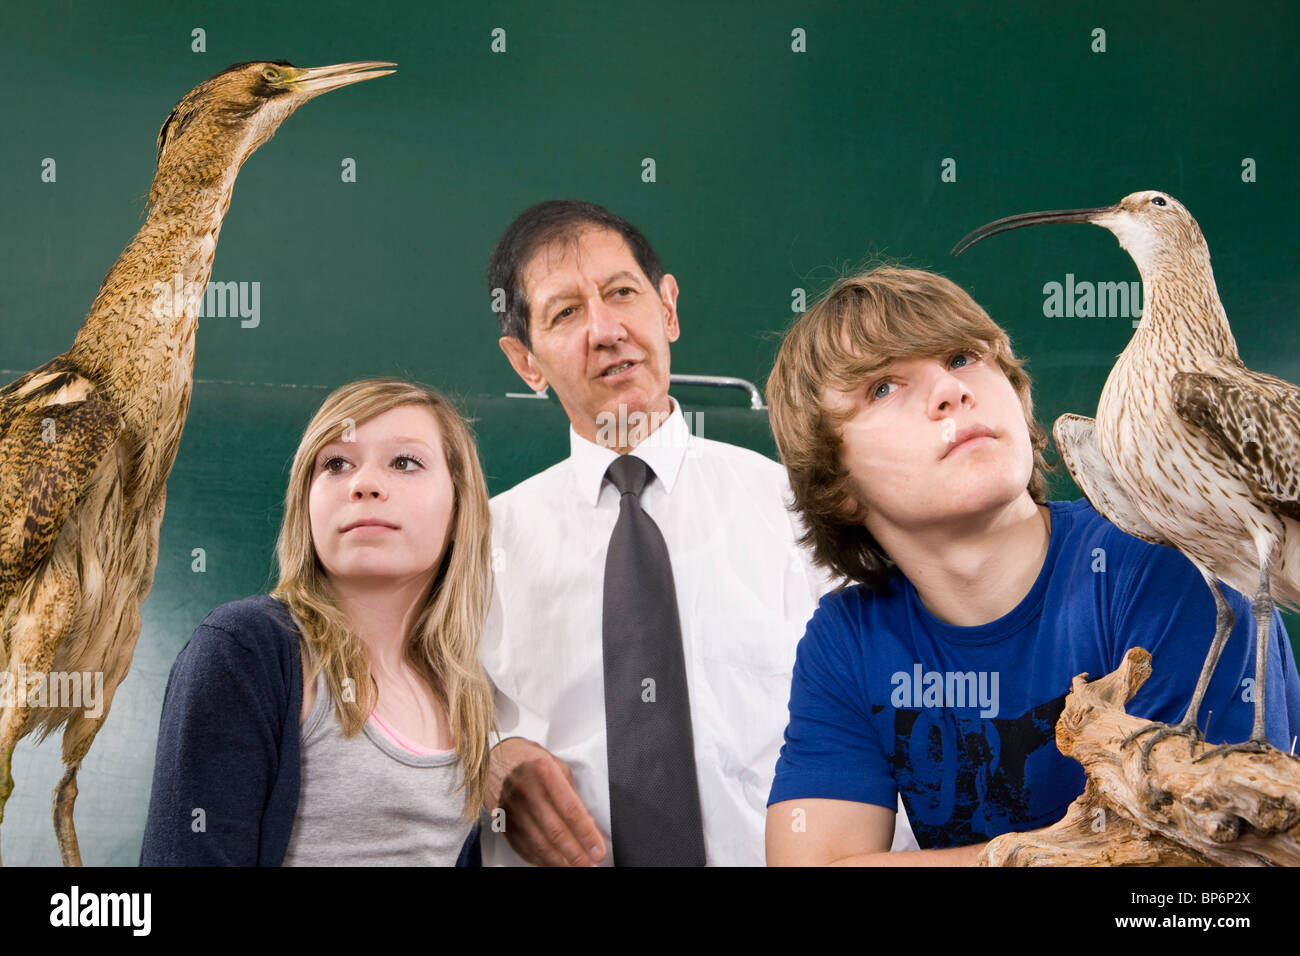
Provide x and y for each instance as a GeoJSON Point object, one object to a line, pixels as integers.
{"type": "Point", "coordinates": [668, 295]}
{"type": "Point", "coordinates": [523, 362]}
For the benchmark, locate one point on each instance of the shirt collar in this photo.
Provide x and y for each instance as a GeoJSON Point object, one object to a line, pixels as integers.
{"type": "Point", "coordinates": [663, 450]}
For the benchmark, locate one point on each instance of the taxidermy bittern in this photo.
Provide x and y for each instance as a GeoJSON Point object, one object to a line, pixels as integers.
{"type": "Point", "coordinates": [88, 439]}
{"type": "Point", "coordinates": [1190, 448]}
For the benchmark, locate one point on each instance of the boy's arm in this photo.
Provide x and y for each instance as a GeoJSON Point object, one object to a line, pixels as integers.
{"type": "Point", "coordinates": [818, 832]}
{"type": "Point", "coordinates": [833, 798]}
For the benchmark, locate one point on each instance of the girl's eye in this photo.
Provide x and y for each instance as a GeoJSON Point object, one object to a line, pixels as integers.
{"type": "Point", "coordinates": [407, 463]}
{"type": "Point", "coordinates": [334, 464]}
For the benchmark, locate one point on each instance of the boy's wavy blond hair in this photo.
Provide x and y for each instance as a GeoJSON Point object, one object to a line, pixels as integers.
{"type": "Point", "coordinates": [863, 323]}
{"type": "Point", "coordinates": [443, 646]}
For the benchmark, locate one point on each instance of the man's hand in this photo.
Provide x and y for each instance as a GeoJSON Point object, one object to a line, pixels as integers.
{"type": "Point", "coordinates": [546, 821]}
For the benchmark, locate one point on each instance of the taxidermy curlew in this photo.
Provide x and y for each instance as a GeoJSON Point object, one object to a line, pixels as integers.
{"type": "Point", "coordinates": [1190, 448]}
{"type": "Point", "coordinates": [88, 439]}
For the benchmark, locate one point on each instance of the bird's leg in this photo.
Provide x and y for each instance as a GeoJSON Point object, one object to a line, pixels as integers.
{"type": "Point", "coordinates": [6, 788]}
{"type": "Point", "coordinates": [6, 779]}
{"type": "Point", "coordinates": [65, 795]}
{"type": "Point", "coordinates": [77, 739]}
{"type": "Point", "coordinates": [12, 718]}
{"type": "Point", "coordinates": [1262, 608]}
{"type": "Point", "coordinates": [1224, 620]}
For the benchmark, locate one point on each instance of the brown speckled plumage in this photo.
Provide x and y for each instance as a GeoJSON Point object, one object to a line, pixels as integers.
{"type": "Point", "coordinates": [88, 439]}
{"type": "Point", "coordinates": [1190, 448]}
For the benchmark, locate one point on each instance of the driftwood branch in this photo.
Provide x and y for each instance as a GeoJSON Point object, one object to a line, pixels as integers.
{"type": "Point", "coordinates": [1232, 810]}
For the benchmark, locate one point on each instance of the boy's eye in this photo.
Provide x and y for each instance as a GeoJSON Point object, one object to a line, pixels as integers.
{"type": "Point", "coordinates": [961, 359]}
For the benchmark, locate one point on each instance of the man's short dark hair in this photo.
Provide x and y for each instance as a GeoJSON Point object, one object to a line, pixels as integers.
{"type": "Point", "coordinates": [556, 220]}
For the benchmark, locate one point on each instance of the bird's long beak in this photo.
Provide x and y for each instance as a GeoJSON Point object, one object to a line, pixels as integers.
{"type": "Point", "coordinates": [1030, 219]}
{"type": "Point", "coordinates": [321, 79]}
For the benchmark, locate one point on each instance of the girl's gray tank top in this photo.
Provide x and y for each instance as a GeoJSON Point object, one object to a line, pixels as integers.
{"type": "Point", "coordinates": [365, 801]}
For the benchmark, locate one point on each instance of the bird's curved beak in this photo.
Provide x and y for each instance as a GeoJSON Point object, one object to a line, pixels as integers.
{"type": "Point", "coordinates": [316, 80]}
{"type": "Point", "coordinates": [1031, 219]}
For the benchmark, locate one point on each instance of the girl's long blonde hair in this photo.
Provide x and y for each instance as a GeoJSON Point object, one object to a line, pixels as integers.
{"type": "Point", "coordinates": [444, 641]}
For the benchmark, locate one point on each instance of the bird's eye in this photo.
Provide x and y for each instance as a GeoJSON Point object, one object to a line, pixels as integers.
{"type": "Point", "coordinates": [271, 74]}
{"type": "Point", "coordinates": [1158, 200]}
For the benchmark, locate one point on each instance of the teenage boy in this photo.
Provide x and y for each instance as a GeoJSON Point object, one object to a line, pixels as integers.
{"type": "Point", "coordinates": [906, 425]}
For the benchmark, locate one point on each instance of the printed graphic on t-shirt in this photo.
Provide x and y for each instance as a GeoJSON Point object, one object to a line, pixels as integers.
{"type": "Point", "coordinates": [964, 777]}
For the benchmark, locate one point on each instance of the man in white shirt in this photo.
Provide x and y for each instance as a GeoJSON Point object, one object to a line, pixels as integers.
{"type": "Point", "coordinates": [590, 313]}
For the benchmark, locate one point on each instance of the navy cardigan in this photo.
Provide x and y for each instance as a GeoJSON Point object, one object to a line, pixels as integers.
{"type": "Point", "coordinates": [228, 767]}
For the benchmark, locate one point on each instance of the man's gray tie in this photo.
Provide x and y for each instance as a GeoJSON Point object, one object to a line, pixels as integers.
{"type": "Point", "coordinates": [654, 800]}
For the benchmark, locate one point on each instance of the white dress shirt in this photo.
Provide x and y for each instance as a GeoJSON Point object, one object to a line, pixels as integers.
{"type": "Point", "coordinates": [745, 591]}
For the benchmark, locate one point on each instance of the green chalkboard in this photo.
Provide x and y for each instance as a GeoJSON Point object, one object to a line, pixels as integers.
{"type": "Point", "coordinates": [790, 142]}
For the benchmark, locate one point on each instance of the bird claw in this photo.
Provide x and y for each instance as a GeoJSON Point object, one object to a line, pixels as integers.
{"type": "Point", "coordinates": [1159, 732]}
{"type": "Point", "coordinates": [1251, 746]}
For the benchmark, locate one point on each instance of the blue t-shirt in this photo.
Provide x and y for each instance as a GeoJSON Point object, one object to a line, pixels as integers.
{"type": "Point", "coordinates": [887, 698]}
